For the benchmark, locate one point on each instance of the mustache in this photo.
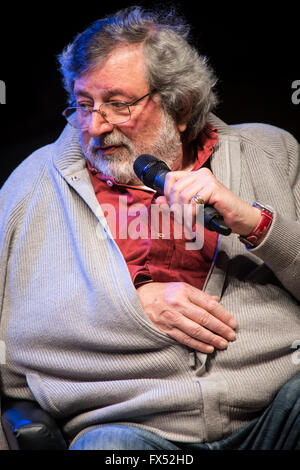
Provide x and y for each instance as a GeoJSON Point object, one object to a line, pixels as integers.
{"type": "Point", "coordinates": [110, 139]}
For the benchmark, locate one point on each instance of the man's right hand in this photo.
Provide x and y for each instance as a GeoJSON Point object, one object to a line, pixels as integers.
{"type": "Point", "coordinates": [188, 315]}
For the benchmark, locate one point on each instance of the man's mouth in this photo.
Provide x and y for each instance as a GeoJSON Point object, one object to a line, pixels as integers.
{"type": "Point", "coordinates": [108, 149]}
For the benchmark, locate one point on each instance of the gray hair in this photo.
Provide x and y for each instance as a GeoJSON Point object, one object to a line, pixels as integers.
{"type": "Point", "coordinates": [175, 69]}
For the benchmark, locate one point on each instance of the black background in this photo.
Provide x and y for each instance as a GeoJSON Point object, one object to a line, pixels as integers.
{"type": "Point", "coordinates": [253, 49]}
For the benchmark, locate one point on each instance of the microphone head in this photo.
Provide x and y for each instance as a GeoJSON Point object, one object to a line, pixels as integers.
{"type": "Point", "coordinates": [147, 167]}
{"type": "Point", "coordinates": [142, 162]}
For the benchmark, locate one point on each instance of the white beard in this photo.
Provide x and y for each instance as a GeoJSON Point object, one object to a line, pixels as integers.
{"type": "Point", "coordinates": [167, 146]}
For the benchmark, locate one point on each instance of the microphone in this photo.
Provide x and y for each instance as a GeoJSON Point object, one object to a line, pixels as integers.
{"type": "Point", "coordinates": [152, 172]}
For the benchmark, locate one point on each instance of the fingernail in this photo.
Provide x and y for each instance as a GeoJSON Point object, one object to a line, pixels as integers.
{"type": "Point", "coordinates": [232, 336]}
{"type": "Point", "coordinates": [232, 323]}
{"type": "Point", "coordinates": [223, 344]}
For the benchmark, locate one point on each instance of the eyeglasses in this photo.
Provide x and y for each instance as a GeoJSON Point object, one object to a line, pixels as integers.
{"type": "Point", "coordinates": [114, 112]}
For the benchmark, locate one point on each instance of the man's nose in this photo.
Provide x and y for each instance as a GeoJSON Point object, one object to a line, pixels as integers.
{"type": "Point", "coordinates": [98, 125]}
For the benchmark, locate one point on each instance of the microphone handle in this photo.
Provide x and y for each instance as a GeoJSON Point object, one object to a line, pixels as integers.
{"type": "Point", "coordinates": [214, 221]}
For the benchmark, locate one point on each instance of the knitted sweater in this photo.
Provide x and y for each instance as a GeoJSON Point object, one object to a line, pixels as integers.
{"type": "Point", "coordinates": [77, 339]}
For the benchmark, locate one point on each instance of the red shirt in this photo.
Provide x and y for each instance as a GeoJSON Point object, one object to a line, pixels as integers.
{"type": "Point", "coordinates": [164, 258]}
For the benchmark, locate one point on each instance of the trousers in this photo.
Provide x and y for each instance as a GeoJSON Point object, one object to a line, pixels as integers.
{"type": "Point", "coordinates": [277, 428]}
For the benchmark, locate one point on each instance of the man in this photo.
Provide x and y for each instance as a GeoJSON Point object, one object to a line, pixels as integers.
{"type": "Point", "coordinates": [139, 343]}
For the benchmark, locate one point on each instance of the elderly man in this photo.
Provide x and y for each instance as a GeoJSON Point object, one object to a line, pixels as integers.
{"type": "Point", "coordinates": [134, 341]}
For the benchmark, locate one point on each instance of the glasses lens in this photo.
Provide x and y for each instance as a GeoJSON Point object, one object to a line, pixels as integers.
{"type": "Point", "coordinates": [115, 112]}
{"type": "Point", "coordinates": [76, 117]}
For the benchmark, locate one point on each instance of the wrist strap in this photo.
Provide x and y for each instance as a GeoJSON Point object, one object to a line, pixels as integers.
{"type": "Point", "coordinates": [252, 240]}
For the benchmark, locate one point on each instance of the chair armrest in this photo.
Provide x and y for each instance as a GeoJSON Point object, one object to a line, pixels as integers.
{"type": "Point", "coordinates": [28, 427]}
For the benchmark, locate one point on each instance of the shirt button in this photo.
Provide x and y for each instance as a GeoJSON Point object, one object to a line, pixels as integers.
{"type": "Point", "coordinates": [109, 183]}
{"type": "Point", "coordinates": [75, 178]}
{"type": "Point", "coordinates": [160, 235]}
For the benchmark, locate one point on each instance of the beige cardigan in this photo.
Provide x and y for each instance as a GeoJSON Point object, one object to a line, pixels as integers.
{"type": "Point", "coordinates": [77, 339]}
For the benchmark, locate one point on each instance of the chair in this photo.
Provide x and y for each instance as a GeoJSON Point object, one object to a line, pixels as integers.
{"type": "Point", "coordinates": [28, 427]}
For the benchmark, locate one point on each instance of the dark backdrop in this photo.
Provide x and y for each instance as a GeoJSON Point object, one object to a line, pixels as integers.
{"type": "Point", "coordinates": [254, 51]}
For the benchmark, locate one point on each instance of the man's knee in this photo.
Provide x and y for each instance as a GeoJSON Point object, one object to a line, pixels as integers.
{"type": "Point", "coordinates": [112, 437]}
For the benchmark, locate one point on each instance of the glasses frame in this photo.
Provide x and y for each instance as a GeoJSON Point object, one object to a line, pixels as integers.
{"type": "Point", "coordinates": [102, 113]}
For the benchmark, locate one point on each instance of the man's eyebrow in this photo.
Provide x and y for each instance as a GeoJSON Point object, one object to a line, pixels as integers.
{"type": "Point", "coordinates": [107, 94]}
{"type": "Point", "coordinates": [82, 93]}
{"type": "Point", "coordinates": [117, 91]}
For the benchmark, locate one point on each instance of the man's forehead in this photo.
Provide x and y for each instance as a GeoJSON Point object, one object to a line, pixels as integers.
{"type": "Point", "coordinates": [122, 71]}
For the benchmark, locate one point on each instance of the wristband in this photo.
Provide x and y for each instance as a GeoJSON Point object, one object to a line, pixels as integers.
{"type": "Point", "coordinates": [252, 240]}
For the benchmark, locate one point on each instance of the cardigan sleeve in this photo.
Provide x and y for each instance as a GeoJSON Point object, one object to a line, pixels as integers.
{"type": "Point", "coordinates": [8, 223]}
{"type": "Point", "coordinates": [14, 197]}
{"type": "Point", "coordinates": [11, 210]}
{"type": "Point", "coordinates": [280, 249]}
